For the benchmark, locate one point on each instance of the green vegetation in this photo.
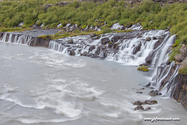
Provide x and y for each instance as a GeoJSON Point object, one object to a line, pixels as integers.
{"type": "Point", "coordinates": [150, 14]}
{"type": "Point", "coordinates": [143, 68]}
{"type": "Point", "coordinates": [46, 37]}
{"type": "Point", "coordinates": [183, 70]}
{"type": "Point", "coordinates": [175, 51]}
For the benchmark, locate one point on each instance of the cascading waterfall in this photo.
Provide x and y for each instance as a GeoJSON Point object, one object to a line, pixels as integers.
{"type": "Point", "coordinates": [10, 38]}
{"type": "Point", "coordinates": [130, 50]}
{"type": "Point", "coordinates": [170, 85]}
{"type": "Point", "coordinates": [4, 38]}
{"type": "Point", "coordinates": [21, 39]}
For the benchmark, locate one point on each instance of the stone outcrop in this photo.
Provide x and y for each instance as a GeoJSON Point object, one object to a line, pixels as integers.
{"type": "Point", "coordinates": [180, 92]}
{"type": "Point", "coordinates": [179, 57]}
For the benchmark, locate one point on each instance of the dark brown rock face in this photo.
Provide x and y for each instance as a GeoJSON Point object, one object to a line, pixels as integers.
{"type": "Point", "coordinates": [180, 93]}
{"type": "Point", "coordinates": [183, 63]}
{"type": "Point", "coordinates": [104, 41]}
{"type": "Point", "coordinates": [183, 50]}
{"type": "Point", "coordinates": [178, 57]}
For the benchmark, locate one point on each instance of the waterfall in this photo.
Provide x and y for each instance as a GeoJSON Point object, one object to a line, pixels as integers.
{"type": "Point", "coordinates": [18, 38]}
{"type": "Point", "coordinates": [164, 50]}
{"type": "Point", "coordinates": [169, 87]}
{"type": "Point", "coordinates": [4, 38]}
{"type": "Point", "coordinates": [10, 38]}
{"type": "Point", "coordinates": [129, 48]}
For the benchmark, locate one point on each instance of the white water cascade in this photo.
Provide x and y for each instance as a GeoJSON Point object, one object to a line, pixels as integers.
{"type": "Point", "coordinates": [130, 48]}
{"type": "Point", "coordinates": [16, 38]}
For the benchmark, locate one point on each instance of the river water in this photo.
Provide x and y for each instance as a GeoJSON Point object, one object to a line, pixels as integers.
{"type": "Point", "coordinates": [40, 86]}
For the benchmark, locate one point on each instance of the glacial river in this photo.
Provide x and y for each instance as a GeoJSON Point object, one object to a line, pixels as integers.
{"type": "Point", "coordinates": [40, 86]}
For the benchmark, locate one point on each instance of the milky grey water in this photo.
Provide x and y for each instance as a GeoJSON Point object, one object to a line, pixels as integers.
{"type": "Point", "coordinates": [40, 86]}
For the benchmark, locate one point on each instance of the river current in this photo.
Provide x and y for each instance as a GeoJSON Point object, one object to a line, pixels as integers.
{"type": "Point", "coordinates": [40, 86]}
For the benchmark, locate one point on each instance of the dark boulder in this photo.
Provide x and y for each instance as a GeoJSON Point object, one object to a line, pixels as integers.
{"type": "Point", "coordinates": [154, 38]}
{"type": "Point", "coordinates": [70, 41]}
{"type": "Point", "coordinates": [72, 53]}
{"type": "Point", "coordinates": [116, 38]}
{"type": "Point", "coordinates": [97, 52]}
{"type": "Point", "coordinates": [168, 63]}
{"type": "Point", "coordinates": [179, 57]}
{"type": "Point", "coordinates": [139, 107]}
{"type": "Point", "coordinates": [137, 103]}
{"type": "Point", "coordinates": [104, 41]}
{"type": "Point", "coordinates": [92, 47]}
{"type": "Point", "coordinates": [148, 39]}
{"type": "Point", "coordinates": [137, 47]}
{"type": "Point", "coordinates": [154, 93]}
{"type": "Point", "coordinates": [150, 102]}
{"type": "Point", "coordinates": [139, 92]}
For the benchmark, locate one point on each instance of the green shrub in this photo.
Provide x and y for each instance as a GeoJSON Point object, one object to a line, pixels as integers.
{"type": "Point", "coordinates": [175, 51]}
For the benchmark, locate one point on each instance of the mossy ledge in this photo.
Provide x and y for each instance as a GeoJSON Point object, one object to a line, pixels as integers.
{"type": "Point", "coordinates": [183, 71]}
{"type": "Point", "coordinates": [143, 68]}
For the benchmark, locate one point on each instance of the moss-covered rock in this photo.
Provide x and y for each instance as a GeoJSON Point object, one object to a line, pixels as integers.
{"type": "Point", "coordinates": [143, 68]}
{"type": "Point", "coordinates": [183, 71]}
{"type": "Point", "coordinates": [46, 37]}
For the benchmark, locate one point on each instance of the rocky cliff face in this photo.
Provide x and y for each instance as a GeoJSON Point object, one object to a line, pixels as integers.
{"type": "Point", "coordinates": [180, 92]}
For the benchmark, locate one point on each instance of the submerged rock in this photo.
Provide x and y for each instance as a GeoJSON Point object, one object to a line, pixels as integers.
{"type": "Point", "coordinates": [148, 108]}
{"type": "Point", "coordinates": [150, 102]}
{"type": "Point", "coordinates": [72, 53]}
{"type": "Point", "coordinates": [137, 103]}
{"type": "Point", "coordinates": [154, 93]}
{"type": "Point", "coordinates": [139, 92]}
{"type": "Point", "coordinates": [139, 107]}
{"type": "Point", "coordinates": [154, 38]}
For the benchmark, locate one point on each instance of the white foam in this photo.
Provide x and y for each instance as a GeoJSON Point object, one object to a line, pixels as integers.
{"type": "Point", "coordinates": [116, 26]}
{"type": "Point", "coordinates": [36, 121]}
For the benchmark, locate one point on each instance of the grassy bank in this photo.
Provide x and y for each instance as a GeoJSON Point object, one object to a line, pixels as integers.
{"type": "Point", "coordinates": [150, 14]}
